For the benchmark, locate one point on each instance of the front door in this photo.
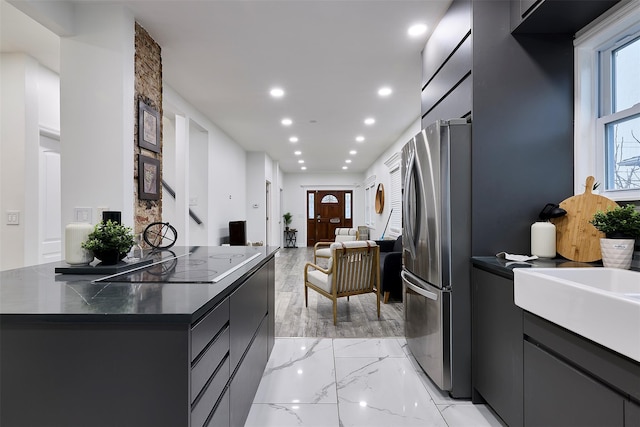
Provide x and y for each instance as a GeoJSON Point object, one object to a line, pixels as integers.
{"type": "Point", "coordinates": [326, 211]}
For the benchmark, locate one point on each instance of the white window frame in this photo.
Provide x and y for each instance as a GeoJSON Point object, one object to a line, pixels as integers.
{"type": "Point", "coordinates": [393, 163]}
{"type": "Point", "coordinates": [369, 201]}
{"type": "Point", "coordinates": [615, 25]}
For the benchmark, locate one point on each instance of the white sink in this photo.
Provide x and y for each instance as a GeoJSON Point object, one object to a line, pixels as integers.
{"type": "Point", "coordinates": [601, 304]}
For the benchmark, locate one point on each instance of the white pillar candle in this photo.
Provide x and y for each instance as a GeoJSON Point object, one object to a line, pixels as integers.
{"type": "Point", "coordinates": [543, 239]}
{"type": "Point", "coordinates": [74, 235]}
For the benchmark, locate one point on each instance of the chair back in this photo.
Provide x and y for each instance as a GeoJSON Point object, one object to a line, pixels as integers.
{"type": "Point", "coordinates": [346, 234]}
{"type": "Point", "coordinates": [355, 267]}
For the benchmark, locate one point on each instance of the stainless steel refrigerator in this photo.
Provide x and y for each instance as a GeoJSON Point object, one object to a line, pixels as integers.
{"type": "Point", "coordinates": [436, 177]}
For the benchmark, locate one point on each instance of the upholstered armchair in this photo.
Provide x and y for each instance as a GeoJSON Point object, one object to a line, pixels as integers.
{"type": "Point", "coordinates": [353, 270]}
{"type": "Point", "coordinates": [321, 249]}
{"type": "Point", "coordinates": [390, 268]}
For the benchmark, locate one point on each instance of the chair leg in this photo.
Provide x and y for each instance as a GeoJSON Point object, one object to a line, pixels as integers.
{"type": "Point", "coordinates": [306, 302]}
{"type": "Point", "coordinates": [335, 312]}
{"type": "Point", "coordinates": [386, 296]}
{"type": "Point", "coordinates": [378, 302]}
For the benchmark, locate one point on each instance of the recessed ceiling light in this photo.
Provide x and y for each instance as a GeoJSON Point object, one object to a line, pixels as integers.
{"type": "Point", "coordinates": [352, 152]}
{"type": "Point", "coordinates": [417, 30]}
{"type": "Point", "coordinates": [300, 161]}
{"type": "Point", "coordinates": [304, 168]}
{"type": "Point", "coordinates": [369, 121]}
{"type": "Point", "coordinates": [277, 92]}
{"type": "Point", "coordinates": [348, 161]}
{"type": "Point", "coordinates": [359, 138]}
{"type": "Point", "coordinates": [344, 168]}
{"type": "Point", "coordinates": [286, 122]}
{"type": "Point", "coordinates": [293, 139]}
{"type": "Point", "coordinates": [384, 91]}
{"type": "Point", "coordinates": [297, 153]}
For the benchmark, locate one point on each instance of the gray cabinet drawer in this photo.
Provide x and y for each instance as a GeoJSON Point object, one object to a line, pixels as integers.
{"type": "Point", "coordinates": [208, 362]}
{"type": "Point", "coordinates": [208, 327]}
{"type": "Point", "coordinates": [221, 416]}
{"type": "Point", "coordinates": [248, 308]}
{"type": "Point", "coordinates": [204, 406]}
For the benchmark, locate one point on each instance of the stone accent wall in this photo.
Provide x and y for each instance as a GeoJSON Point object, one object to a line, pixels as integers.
{"type": "Point", "coordinates": [148, 88]}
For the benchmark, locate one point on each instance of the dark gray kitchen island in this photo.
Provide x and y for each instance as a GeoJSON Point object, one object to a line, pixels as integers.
{"type": "Point", "coordinates": [183, 342]}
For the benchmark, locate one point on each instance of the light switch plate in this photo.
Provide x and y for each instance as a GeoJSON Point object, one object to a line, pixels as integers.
{"type": "Point", "coordinates": [13, 217]}
{"type": "Point", "coordinates": [82, 215]}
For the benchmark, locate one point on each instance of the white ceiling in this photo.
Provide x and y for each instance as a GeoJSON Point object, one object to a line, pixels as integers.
{"type": "Point", "coordinates": [330, 57]}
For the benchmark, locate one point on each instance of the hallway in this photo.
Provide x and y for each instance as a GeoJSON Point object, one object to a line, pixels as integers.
{"type": "Point", "coordinates": [348, 382]}
{"type": "Point", "coordinates": [357, 373]}
{"type": "Point", "coordinates": [356, 317]}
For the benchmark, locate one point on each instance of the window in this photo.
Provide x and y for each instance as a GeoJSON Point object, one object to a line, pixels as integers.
{"type": "Point", "coordinates": [607, 133]}
{"type": "Point", "coordinates": [329, 198]}
{"type": "Point", "coordinates": [369, 198]}
{"type": "Point", "coordinates": [395, 223]}
{"type": "Point", "coordinates": [395, 195]}
{"type": "Point", "coordinates": [618, 126]}
{"type": "Point", "coordinates": [311, 205]}
{"type": "Point", "coordinates": [347, 205]}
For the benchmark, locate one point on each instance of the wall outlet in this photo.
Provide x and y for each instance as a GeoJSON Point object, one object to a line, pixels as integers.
{"type": "Point", "coordinates": [13, 217]}
{"type": "Point", "coordinates": [99, 211]}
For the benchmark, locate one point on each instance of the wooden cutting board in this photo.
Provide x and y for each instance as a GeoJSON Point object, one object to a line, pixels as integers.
{"type": "Point", "coordinates": [576, 238]}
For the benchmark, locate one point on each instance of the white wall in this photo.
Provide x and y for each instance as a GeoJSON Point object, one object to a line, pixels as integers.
{"type": "Point", "coordinates": [381, 173]}
{"type": "Point", "coordinates": [257, 176]}
{"type": "Point", "coordinates": [17, 78]}
{"type": "Point", "coordinates": [225, 172]}
{"type": "Point", "coordinates": [97, 112]}
{"type": "Point", "coordinates": [295, 188]}
{"type": "Point", "coordinates": [198, 183]}
{"type": "Point", "coordinates": [30, 101]}
{"type": "Point", "coordinates": [169, 169]}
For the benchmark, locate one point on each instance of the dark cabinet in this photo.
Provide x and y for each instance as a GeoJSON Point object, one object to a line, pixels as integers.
{"type": "Point", "coordinates": [555, 16]}
{"type": "Point", "coordinates": [631, 414]}
{"type": "Point", "coordinates": [557, 394]}
{"type": "Point", "coordinates": [497, 352]}
{"type": "Point", "coordinates": [572, 381]}
{"type": "Point", "coordinates": [189, 370]}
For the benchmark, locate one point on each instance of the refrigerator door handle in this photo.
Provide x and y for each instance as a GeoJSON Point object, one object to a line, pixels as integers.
{"type": "Point", "coordinates": [417, 289]}
{"type": "Point", "coordinates": [409, 223]}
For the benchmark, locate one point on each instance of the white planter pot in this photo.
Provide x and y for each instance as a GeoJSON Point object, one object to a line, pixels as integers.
{"type": "Point", "coordinates": [617, 253]}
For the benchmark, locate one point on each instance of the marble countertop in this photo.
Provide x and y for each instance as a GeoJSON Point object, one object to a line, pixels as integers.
{"type": "Point", "coordinates": [40, 294]}
{"type": "Point", "coordinates": [505, 268]}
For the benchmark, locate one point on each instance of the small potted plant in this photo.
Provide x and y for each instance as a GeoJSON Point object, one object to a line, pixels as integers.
{"type": "Point", "coordinates": [621, 226]}
{"type": "Point", "coordinates": [287, 220]}
{"type": "Point", "coordinates": [110, 242]}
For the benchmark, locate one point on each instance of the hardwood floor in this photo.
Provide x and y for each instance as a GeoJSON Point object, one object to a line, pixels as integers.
{"type": "Point", "coordinates": [356, 317]}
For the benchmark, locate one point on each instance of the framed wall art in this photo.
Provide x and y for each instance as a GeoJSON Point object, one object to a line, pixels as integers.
{"type": "Point", "coordinates": [148, 127]}
{"type": "Point", "coordinates": [148, 178]}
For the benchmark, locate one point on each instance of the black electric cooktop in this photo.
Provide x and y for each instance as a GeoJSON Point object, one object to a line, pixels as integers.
{"type": "Point", "coordinates": [188, 265]}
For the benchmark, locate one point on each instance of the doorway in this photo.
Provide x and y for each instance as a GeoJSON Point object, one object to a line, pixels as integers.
{"type": "Point", "coordinates": [49, 228]}
{"type": "Point", "coordinates": [268, 214]}
{"type": "Point", "coordinates": [326, 211]}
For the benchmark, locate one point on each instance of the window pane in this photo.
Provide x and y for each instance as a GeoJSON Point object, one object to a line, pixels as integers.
{"type": "Point", "coordinates": [311, 206]}
{"type": "Point", "coordinates": [626, 75]}
{"type": "Point", "coordinates": [622, 139]}
{"type": "Point", "coordinates": [347, 205]}
{"type": "Point", "coordinates": [330, 198]}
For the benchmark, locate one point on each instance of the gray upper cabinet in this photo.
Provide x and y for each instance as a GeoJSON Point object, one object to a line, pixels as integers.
{"type": "Point", "coordinates": [555, 16]}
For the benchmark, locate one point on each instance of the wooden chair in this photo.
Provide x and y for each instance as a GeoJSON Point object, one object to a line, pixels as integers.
{"type": "Point", "coordinates": [353, 270]}
{"type": "Point", "coordinates": [321, 249]}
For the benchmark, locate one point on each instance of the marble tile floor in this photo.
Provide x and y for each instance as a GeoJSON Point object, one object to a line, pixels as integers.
{"type": "Point", "coordinates": [345, 382]}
